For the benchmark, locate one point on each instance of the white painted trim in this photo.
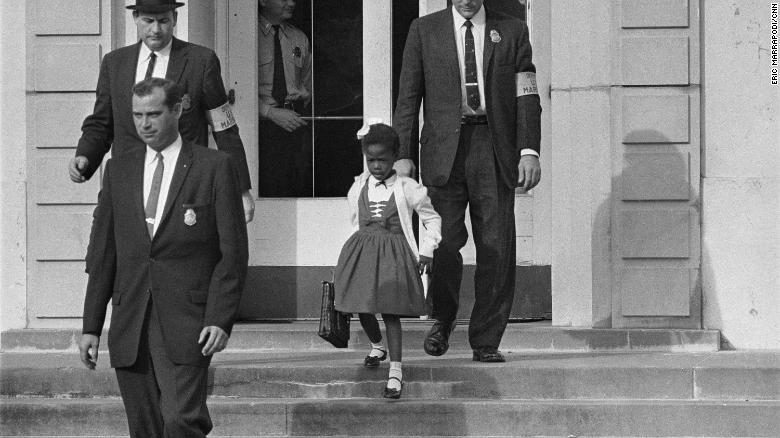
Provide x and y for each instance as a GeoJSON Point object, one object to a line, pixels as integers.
{"type": "Point", "coordinates": [539, 27]}
{"type": "Point", "coordinates": [13, 166]}
{"type": "Point", "coordinates": [377, 66]}
{"type": "Point", "coordinates": [429, 6]}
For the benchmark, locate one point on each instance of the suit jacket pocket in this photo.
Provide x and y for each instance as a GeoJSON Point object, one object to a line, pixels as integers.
{"type": "Point", "coordinates": [199, 296]}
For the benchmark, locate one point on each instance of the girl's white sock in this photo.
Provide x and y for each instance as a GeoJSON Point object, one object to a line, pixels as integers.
{"type": "Point", "coordinates": [377, 350]}
{"type": "Point", "coordinates": [395, 371]}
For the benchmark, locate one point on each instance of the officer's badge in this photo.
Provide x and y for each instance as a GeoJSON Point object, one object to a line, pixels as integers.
{"type": "Point", "coordinates": [186, 102]}
{"type": "Point", "coordinates": [297, 52]}
{"type": "Point", "coordinates": [189, 217]}
{"type": "Point", "coordinates": [494, 36]}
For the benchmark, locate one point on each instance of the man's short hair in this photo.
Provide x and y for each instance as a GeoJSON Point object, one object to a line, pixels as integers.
{"type": "Point", "coordinates": [173, 91]}
{"type": "Point", "coordinates": [381, 134]}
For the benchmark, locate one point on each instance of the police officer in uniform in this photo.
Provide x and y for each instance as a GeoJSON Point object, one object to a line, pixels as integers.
{"type": "Point", "coordinates": [285, 78]}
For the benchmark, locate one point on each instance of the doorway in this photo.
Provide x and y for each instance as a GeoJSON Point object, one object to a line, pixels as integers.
{"type": "Point", "coordinates": [295, 241]}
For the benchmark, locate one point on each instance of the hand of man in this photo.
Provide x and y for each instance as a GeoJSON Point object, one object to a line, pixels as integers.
{"type": "Point", "coordinates": [286, 119]}
{"type": "Point", "coordinates": [86, 343]}
{"type": "Point", "coordinates": [76, 168]}
{"type": "Point", "coordinates": [249, 206]}
{"type": "Point", "coordinates": [215, 340]}
{"type": "Point", "coordinates": [529, 172]}
{"type": "Point", "coordinates": [405, 167]}
{"type": "Point", "coordinates": [425, 265]}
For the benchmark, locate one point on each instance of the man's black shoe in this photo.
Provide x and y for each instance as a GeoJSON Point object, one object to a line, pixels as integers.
{"type": "Point", "coordinates": [487, 354]}
{"type": "Point", "coordinates": [438, 340]}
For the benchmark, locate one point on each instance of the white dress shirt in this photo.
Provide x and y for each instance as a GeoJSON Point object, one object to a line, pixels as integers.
{"type": "Point", "coordinates": [170, 156]}
{"type": "Point", "coordinates": [160, 65]}
{"type": "Point", "coordinates": [478, 30]}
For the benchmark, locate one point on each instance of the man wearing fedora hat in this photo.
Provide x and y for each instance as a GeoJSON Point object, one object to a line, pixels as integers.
{"type": "Point", "coordinates": [159, 54]}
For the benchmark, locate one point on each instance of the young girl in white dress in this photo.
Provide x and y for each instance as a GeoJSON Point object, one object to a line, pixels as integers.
{"type": "Point", "coordinates": [379, 267]}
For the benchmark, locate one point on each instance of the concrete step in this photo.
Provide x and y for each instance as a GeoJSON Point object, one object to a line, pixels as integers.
{"type": "Point", "coordinates": [376, 417]}
{"type": "Point", "coordinates": [732, 375]}
{"type": "Point", "coordinates": [519, 337]}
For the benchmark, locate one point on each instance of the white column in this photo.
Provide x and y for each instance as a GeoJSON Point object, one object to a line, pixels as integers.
{"type": "Point", "coordinates": [13, 165]}
{"type": "Point", "coordinates": [740, 178]}
{"type": "Point", "coordinates": [429, 6]}
{"type": "Point", "coordinates": [581, 163]}
{"type": "Point", "coordinates": [377, 62]}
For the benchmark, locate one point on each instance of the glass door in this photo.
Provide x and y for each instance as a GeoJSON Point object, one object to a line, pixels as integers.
{"type": "Point", "coordinates": [296, 236]}
{"type": "Point", "coordinates": [356, 52]}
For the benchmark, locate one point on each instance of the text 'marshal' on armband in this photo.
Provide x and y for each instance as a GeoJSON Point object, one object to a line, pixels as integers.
{"type": "Point", "coordinates": [221, 118]}
{"type": "Point", "coordinates": [525, 81]}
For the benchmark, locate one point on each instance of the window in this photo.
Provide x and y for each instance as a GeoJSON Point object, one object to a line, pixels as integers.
{"type": "Point", "coordinates": [320, 159]}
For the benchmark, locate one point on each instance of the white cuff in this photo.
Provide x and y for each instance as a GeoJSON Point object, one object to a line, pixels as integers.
{"type": "Point", "coordinates": [528, 151]}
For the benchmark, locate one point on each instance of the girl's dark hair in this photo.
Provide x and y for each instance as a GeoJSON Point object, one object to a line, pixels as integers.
{"type": "Point", "coordinates": [381, 134]}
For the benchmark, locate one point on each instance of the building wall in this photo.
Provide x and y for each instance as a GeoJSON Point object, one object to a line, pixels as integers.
{"type": "Point", "coordinates": [740, 182]}
{"type": "Point", "coordinates": [626, 148]}
{"type": "Point", "coordinates": [741, 176]}
{"type": "Point", "coordinates": [66, 40]}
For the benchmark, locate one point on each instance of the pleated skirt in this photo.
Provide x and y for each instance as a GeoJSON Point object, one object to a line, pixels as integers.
{"type": "Point", "coordinates": [377, 273]}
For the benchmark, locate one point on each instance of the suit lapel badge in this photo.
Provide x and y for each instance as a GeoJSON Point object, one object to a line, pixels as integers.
{"type": "Point", "coordinates": [297, 52]}
{"type": "Point", "coordinates": [189, 217]}
{"type": "Point", "coordinates": [186, 102]}
{"type": "Point", "coordinates": [495, 36]}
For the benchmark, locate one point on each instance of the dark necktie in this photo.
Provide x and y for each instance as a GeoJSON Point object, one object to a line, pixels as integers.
{"type": "Point", "coordinates": [154, 195]}
{"type": "Point", "coordinates": [279, 90]}
{"type": "Point", "coordinates": [472, 87]}
{"type": "Point", "coordinates": [150, 68]}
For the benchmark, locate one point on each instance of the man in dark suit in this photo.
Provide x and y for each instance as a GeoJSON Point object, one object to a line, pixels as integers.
{"type": "Point", "coordinates": [159, 54]}
{"type": "Point", "coordinates": [471, 67]}
{"type": "Point", "coordinates": [168, 247]}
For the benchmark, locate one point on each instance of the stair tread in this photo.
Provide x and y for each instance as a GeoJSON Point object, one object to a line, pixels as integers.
{"type": "Point", "coordinates": [408, 417]}
{"type": "Point", "coordinates": [416, 359]}
{"type": "Point", "coordinates": [538, 336]}
{"type": "Point", "coordinates": [361, 401]}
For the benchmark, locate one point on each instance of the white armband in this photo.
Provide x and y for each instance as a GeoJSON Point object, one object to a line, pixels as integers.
{"type": "Point", "coordinates": [221, 118]}
{"type": "Point", "coordinates": [525, 82]}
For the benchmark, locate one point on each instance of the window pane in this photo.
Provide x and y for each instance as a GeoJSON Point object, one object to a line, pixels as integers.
{"type": "Point", "coordinates": [337, 155]}
{"type": "Point", "coordinates": [322, 158]}
{"type": "Point", "coordinates": [285, 95]}
{"type": "Point", "coordinates": [337, 29]}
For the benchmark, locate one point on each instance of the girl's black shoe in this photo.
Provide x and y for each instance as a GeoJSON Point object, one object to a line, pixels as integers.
{"type": "Point", "coordinates": [393, 393]}
{"type": "Point", "coordinates": [373, 361]}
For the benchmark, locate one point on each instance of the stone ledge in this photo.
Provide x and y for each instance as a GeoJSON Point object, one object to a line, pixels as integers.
{"type": "Point", "coordinates": [520, 337]}
{"type": "Point", "coordinates": [340, 374]}
{"type": "Point", "coordinates": [376, 417]}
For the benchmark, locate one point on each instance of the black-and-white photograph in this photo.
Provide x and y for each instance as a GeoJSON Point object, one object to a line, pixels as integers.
{"type": "Point", "coordinates": [389, 218]}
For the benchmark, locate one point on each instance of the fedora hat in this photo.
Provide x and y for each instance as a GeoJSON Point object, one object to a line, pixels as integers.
{"type": "Point", "coordinates": [155, 6]}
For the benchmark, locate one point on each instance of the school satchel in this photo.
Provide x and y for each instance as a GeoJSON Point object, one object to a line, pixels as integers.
{"type": "Point", "coordinates": [334, 325]}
